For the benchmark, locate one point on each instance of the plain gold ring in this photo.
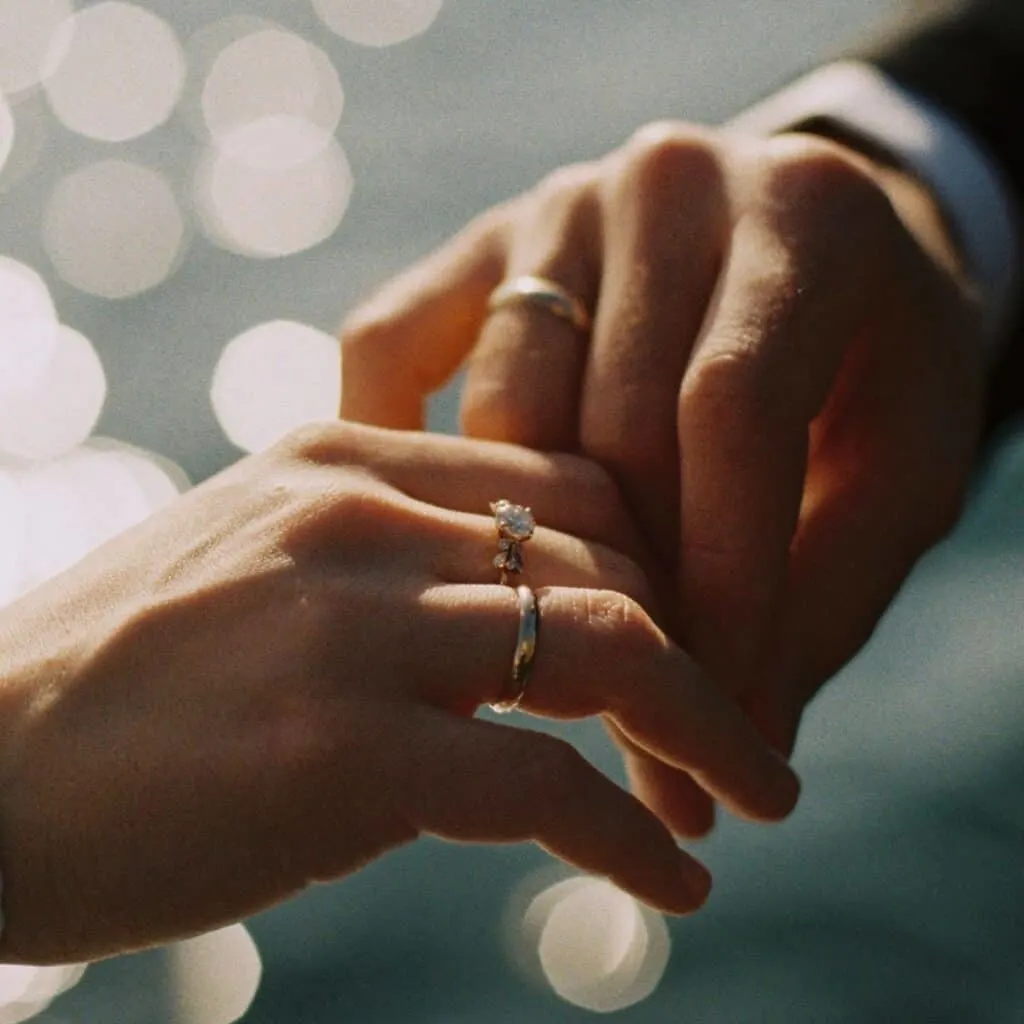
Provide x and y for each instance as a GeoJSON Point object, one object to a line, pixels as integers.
{"type": "Point", "coordinates": [542, 292]}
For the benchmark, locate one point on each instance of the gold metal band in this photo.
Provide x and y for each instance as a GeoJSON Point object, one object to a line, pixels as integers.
{"type": "Point", "coordinates": [526, 650]}
{"type": "Point", "coordinates": [540, 291]}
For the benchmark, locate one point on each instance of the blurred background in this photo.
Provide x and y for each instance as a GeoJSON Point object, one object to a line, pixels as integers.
{"type": "Point", "coordinates": [192, 194]}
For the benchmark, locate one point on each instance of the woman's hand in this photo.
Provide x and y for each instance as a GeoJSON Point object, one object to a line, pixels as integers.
{"type": "Point", "coordinates": [784, 377]}
{"type": "Point", "coordinates": [272, 683]}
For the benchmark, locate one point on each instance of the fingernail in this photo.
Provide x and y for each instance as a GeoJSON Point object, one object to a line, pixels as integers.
{"type": "Point", "coordinates": [787, 785]}
{"type": "Point", "coordinates": [696, 881]}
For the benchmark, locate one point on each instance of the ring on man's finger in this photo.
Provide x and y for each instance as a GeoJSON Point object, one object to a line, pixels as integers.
{"type": "Point", "coordinates": [515, 525]}
{"type": "Point", "coordinates": [526, 650]}
{"type": "Point", "coordinates": [544, 293]}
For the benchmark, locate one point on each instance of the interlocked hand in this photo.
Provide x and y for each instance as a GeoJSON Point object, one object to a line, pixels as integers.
{"type": "Point", "coordinates": [784, 376]}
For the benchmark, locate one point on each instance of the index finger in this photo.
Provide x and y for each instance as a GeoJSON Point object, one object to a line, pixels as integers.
{"type": "Point", "coordinates": [411, 337]}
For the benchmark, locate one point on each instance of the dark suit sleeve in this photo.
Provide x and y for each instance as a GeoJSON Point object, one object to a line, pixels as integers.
{"type": "Point", "coordinates": [970, 61]}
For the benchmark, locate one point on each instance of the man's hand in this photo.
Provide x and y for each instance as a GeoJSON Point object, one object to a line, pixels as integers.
{"type": "Point", "coordinates": [784, 376]}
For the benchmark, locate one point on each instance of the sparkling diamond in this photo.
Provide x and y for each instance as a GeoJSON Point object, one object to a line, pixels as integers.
{"type": "Point", "coordinates": [513, 520]}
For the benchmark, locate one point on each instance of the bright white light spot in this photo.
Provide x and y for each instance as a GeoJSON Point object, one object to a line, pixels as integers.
{"type": "Point", "coordinates": [39, 987]}
{"type": "Point", "coordinates": [264, 213]}
{"type": "Point", "coordinates": [113, 229]}
{"type": "Point", "coordinates": [28, 327]}
{"type": "Point", "coordinates": [158, 478]}
{"type": "Point", "coordinates": [6, 131]}
{"type": "Point", "coordinates": [12, 542]}
{"type": "Point", "coordinates": [274, 378]}
{"type": "Point", "coordinates": [83, 499]}
{"type": "Point", "coordinates": [276, 80]}
{"type": "Point", "coordinates": [14, 981]}
{"type": "Point", "coordinates": [50, 982]}
{"type": "Point", "coordinates": [62, 407]}
{"type": "Point", "coordinates": [57, 532]}
{"type": "Point", "coordinates": [121, 77]}
{"type": "Point", "coordinates": [378, 22]}
{"type": "Point", "coordinates": [34, 36]}
{"type": "Point", "coordinates": [597, 947]}
{"type": "Point", "coordinates": [216, 976]}
{"type": "Point", "coordinates": [276, 143]}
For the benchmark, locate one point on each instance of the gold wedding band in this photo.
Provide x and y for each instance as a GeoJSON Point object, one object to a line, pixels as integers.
{"type": "Point", "coordinates": [546, 294]}
{"type": "Point", "coordinates": [526, 650]}
{"type": "Point", "coordinates": [515, 525]}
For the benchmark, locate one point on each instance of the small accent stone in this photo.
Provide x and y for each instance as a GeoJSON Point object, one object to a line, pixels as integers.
{"type": "Point", "coordinates": [513, 521]}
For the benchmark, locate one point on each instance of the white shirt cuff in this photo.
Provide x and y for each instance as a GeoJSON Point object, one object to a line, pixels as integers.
{"type": "Point", "coordinates": [927, 141]}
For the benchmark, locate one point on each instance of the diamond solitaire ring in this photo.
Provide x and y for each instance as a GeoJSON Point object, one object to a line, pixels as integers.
{"type": "Point", "coordinates": [515, 525]}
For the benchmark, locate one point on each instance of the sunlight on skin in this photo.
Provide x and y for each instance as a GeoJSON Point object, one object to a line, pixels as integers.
{"type": "Point", "coordinates": [273, 182]}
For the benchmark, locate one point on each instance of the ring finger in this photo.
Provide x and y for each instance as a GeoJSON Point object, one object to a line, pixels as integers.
{"type": "Point", "coordinates": [525, 372]}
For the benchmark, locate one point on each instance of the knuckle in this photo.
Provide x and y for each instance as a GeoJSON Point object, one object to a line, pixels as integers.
{"type": "Point", "coordinates": [618, 616]}
{"type": "Point", "coordinates": [826, 180]}
{"type": "Point", "coordinates": [722, 385]}
{"type": "Point", "coordinates": [631, 581]}
{"type": "Point", "coordinates": [324, 441]}
{"type": "Point", "coordinates": [668, 155]}
{"type": "Point", "coordinates": [571, 183]}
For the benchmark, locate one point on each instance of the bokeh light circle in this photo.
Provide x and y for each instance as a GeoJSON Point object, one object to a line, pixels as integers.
{"type": "Point", "coordinates": [595, 945]}
{"type": "Point", "coordinates": [272, 77]}
{"type": "Point", "coordinates": [34, 38]}
{"type": "Point", "coordinates": [159, 478]}
{"type": "Point", "coordinates": [215, 977]}
{"type": "Point", "coordinates": [274, 378]}
{"type": "Point", "coordinates": [378, 22]}
{"type": "Point", "coordinates": [28, 327]}
{"type": "Point", "coordinates": [85, 498]}
{"type": "Point", "coordinates": [114, 229]}
{"type": "Point", "coordinates": [266, 213]}
{"type": "Point", "coordinates": [28, 991]}
{"type": "Point", "coordinates": [12, 544]}
{"type": "Point", "coordinates": [122, 75]}
{"type": "Point", "coordinates": [61, 408]}
{"type": "Point", "coordinates": [6, 131]}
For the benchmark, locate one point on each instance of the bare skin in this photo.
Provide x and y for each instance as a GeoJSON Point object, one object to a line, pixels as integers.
{"type": "Point", "coordinates": [272, 682]}
{"type": "Point", "coordinates": [784, 377]}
